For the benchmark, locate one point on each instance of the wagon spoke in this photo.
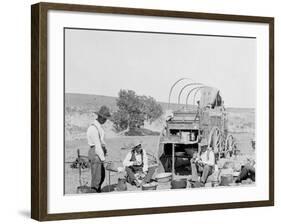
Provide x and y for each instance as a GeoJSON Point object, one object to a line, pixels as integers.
{"type": "Point", "coordinates": [229, 144]}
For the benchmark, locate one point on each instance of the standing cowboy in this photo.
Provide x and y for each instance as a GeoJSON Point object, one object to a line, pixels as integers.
{"type": "Point", "coordinates": [97, 151]}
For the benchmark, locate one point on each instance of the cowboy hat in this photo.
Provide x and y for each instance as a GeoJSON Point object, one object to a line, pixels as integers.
{"type": "Point", "coordinates": [104, 112]}
{"type": "Point", "coordinates": [203, 142]}
{"type": "Point", "coordinates": [136, 142]}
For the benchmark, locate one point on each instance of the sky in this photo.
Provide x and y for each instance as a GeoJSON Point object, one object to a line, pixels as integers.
{"type": "Point", "coordinates": [103, 62]}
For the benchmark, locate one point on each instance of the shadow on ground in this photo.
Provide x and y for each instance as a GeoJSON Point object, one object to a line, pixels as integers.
{"type": "Point", "coordinates": [24, 213]}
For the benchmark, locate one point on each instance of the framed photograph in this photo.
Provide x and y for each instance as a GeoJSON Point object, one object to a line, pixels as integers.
{"type": "Point", "coordinates": [142, 111]}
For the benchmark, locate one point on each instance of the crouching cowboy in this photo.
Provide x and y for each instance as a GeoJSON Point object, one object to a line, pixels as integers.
{"type": "Point", "coordinates": [203, 163]}
{"type": "Point", "coordinates": [136, 165]}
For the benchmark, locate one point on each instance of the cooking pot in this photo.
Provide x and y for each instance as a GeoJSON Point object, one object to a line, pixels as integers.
{"type": "Point", "coordinates": [84, 189]}
{"type": "Point", "coordinates": [163, 177]}
{"type": "Point", "coordinates": [121, 185]}
{"type": "Point", "coordinates": [226, 179]}
{"type": "Point", "coordinates": [178, 184]}
{"type": "Point", "coordinates": [149, 186]}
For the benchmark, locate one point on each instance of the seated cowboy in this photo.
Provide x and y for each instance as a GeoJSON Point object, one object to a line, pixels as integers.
{"type": "Point", "coordinates": [136, 165]}
{"type": "Point", "coordinates": [247, 171]}
{"type": "Point", "coordinates": [203, 163]}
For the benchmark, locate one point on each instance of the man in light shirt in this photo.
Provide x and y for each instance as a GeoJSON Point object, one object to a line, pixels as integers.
{"type": "Point", "coordinates": [97, 151]}
{"type": "Point", "coordinates": [136, 162]}
{"type": "Point", "coordinates": [204, 163]}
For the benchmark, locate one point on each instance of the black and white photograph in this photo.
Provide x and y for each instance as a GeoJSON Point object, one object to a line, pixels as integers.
{"type": "Point", "coordinates": [155, 111]}
{"type": "Point", "coordinates": [136, 111]}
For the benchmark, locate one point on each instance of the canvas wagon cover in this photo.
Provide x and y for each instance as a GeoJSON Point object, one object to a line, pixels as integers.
{"type": "Point", "coordinates": [208, 96]}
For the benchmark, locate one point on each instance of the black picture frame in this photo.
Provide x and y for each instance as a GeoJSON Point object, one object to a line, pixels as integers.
{"type": "Point", "coordinates": [39, 108]}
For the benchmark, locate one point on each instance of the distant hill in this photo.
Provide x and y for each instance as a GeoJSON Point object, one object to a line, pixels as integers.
{"type": "Point", "coordinates": [82, 100]}
{"type": "Point", "coordinates": [80, 108]}
{"type": "Point", "coordinates": [95, 101]}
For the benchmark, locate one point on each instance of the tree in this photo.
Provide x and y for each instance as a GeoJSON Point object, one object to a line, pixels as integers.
{"type": "Point", "coordinates": [151, 108]}
{"type": "Point", "coordinates": [120, 120]}
{"type": "Point", "coordinates": [133, 110]}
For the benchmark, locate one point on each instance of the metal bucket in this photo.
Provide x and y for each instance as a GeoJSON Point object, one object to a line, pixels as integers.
{"type": "Point", "coordinates": [163, 177]}
{"type": "Point", "coordinates": [178, 184]}
{"type": "Point", "coordinates": [84, 189]}
{"type": "Point", "coordinates": [121, 185]}
{"type": "Point", "coordinates": [226, 180]}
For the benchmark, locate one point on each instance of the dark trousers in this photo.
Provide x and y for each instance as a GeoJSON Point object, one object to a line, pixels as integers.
{"type": "Point", "coordinates": [206, 171]}
{"type": "Point", "coordinates": [131, 171]}
{"type": "Point", "coordinates": [97, 170]}
{"type": "Point", "coordinates": [247, 171]}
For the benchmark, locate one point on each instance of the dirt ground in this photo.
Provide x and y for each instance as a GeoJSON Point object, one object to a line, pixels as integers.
{"type": "Point", "coordinates": [117, 151]}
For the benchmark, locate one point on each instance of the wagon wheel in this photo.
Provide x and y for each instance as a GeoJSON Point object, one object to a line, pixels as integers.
{"type": "Point", "coordinates": [229, 145]}
{"type": "Point", "coordinates": [216, 140]}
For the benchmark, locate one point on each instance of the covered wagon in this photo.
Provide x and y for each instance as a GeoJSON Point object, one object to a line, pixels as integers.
{"type": "Point", "coordinates": [189, 125]}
